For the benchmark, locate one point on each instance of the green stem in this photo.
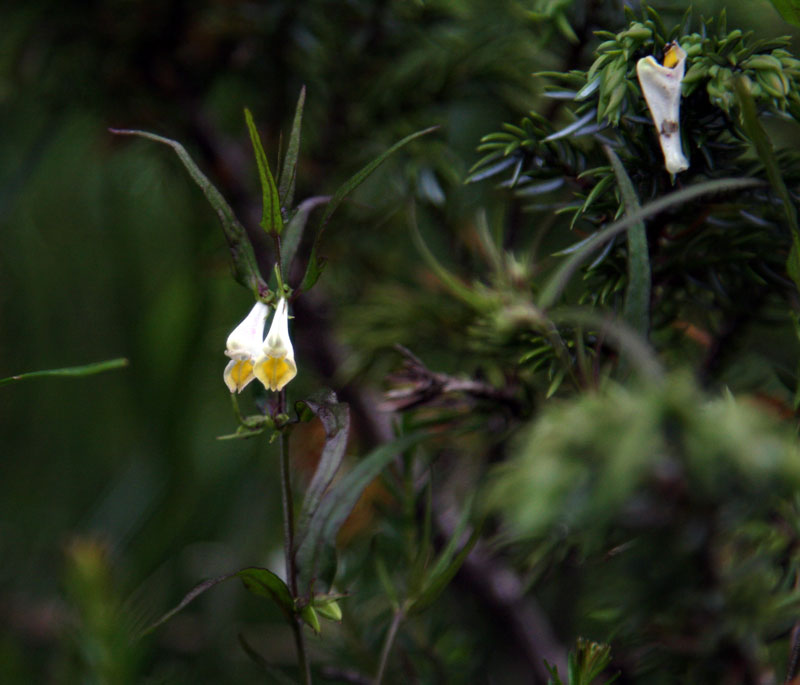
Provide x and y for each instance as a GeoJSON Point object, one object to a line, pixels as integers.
{"type": "Point", "coordinates": [288, 545]}
{"type": "Point", "coordinates": [388, 643]}
{"type": "Point", "coordinates": [288, 514]}
{"type": "Point", "coordinates": [302, 658]}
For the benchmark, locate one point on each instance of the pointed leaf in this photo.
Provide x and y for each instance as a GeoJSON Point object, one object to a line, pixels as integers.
{"type": "Point", "coordinates": [314, 270]}
{"type": "Point", "coordinates": [190, 596]}
{"type": "Point", "coordinates": [451, 282]}
{"type": "Point", "coordinates": [338, 502]}
{"type": "Point", "coordinates": [271, 219]}
{"type": "Point", "coordinates": [766, 154]}
{"type": "Point", "coordinates": [70, 371]}
{"type": "Point", "coordinates": [440, 580]}
{"type": "Point", "coordinates": [259, 581]}
{"type": "Point", "coordinates": [636, 310]}
{"type": "Point", "coordinates": [359, 177]}
{"type": "Point", "coordinates": [264, 583]}
{"type": "Point", "coordinates": [558, 281]}
{"type": "Point", "coordinates": [245, 269]}
{"type": "Point", "coordinates": [293, 233]}
{"type": "Point", "coordinates": [288, 174]}
{"type": "Point", "coordinates": [335, 418]}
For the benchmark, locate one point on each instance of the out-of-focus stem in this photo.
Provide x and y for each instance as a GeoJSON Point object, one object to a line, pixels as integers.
{"type": "Point", "coordinates": [388, 643]}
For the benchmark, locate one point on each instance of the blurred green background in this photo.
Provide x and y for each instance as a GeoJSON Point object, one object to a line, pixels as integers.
{"type": "Point", "coordinates": [115, 495]}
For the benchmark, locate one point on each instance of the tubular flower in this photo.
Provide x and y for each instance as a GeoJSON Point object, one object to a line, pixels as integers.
{"type": "Point", "coordinates": [244, 345]}
{"type": "Point", "coordinates": [661, 87]}
{"type": "Point", "coordinates": [275, 367]}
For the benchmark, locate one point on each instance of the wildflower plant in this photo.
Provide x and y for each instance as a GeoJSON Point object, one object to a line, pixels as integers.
{"type": "Point", "coordinates": [305, 592]}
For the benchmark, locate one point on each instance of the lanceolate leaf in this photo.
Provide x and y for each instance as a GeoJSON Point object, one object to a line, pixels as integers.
{"type": "Point", "coordinates": [259, 581]}
{"type": "Point", "coordinates": [335, 418]}
{"type": "Point", "coordinates": [636, 310]}
{"type": "Point", "coordinates": [359, 177]}
{"type": "Point", "coordinates": [264, 583]}
{"type": "Point", "coordinates": [293, 233]}
{"type": "Point", "coordinates": [288, 175]}
{"type": "Point", "coordinates": [766, 154]}
{"type": "Point", "coordinates": [245, 269]}
{"type": "Point", "coordinates": [555, 286]}
{"type": "Point", "coordinates": [338, 502]}
{"type": "Point", "coordinates": [69, 371]}
{"type": "Point", "coordinates": [451, 282]}
{"type": "Point", "coordinates": [439, 581]}
{"type": "Point", "coordinates": [314, 268]}
{"type": "Point", "coordinates": [271, 219]}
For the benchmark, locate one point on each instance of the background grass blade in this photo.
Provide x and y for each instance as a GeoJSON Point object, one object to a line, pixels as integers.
{"type": "Point", "coordinates": [636, 309]}
{"type": "Point", "coordinates": [70, 371]}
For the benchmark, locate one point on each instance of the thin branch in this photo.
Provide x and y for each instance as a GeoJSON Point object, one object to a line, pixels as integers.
{"type": "Point", "coordinates": [388, 643]}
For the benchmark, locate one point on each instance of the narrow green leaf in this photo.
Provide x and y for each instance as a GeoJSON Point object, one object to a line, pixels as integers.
{"type": "Point", "coordinates": [315, 263]}
{"type": "Point", "coordinates": [636, 309]}
{"type": "Point", "coordinates": [441, 580]}
{"type": "Point", "coordinates": [70, 371]}
{"type": "Point", "coordinates": [313, 270]}
{"type": "Point", "coordinates": [335, 418]}
{"type": "Point", "coordinates": [293, 234]}
{"type": "Point", "coordinates": [259, 581]}
{"type": "Point", "coordinates": [453, 284]}
{"type": "Point", "coordinates": [271, 219]}
{"type": "Point", "coordinates": [761, 141]}
{"type": "Point", "coordinates": [789, 10]}
{"type": "Point", "coordinates": [264, 583]}
{"type": "Point", "coordinates": [386, 582]}
{"type": "Point", "coordinates": [245, 268]}
{"type": "Point", "coordinates": [416, 575]}
{"type": "Point", "coordinates": [360, 176]}
{"type": "Point", "coordinates": [558, 281]}
{"type": "Point", "coordinates": [190, 596]}
{"type": "Point", "coordinates": [288, 174]}
{"type": "Point", "coordinates": [338, 502]}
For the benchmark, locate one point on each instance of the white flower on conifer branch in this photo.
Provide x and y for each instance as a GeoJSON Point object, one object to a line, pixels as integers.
{"type": "Point", "coordinates": [661, 87]}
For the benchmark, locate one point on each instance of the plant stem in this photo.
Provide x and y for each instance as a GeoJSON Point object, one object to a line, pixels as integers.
{"type": "Point", "coordinates": [302, 657]}
{"type": "Point", "coordinates": [388, 643]}
{"type": "Point", "coordinates": [288, 545]}
{"type": "Point", "coordinates": [288, 515]}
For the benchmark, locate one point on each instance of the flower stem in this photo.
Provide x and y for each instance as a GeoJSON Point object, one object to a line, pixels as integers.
{"type": "Point", "coordinates": [288, 545]}
{"type": "Point", "coordinates": [388, 643]}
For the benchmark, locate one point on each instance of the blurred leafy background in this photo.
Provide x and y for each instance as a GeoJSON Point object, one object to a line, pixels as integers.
{"type": "Point", "coordinates": [115, 496]}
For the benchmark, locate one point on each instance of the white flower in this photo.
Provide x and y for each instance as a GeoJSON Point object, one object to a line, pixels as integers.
{"type": "Point", "coordinates": [661, 87]}
{"type": "Point", "coordinates": [244, 345]}
{"type": "Point", "coordinates": [275, 367]}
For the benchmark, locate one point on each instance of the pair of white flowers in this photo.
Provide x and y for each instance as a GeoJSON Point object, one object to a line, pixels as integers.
{"type": "Point", "coordinates": [269, 359]}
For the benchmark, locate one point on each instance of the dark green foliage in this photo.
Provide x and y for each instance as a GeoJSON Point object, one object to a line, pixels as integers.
{"type": "Point", "coordinates": [678, 507]}
{"type": "Point", "coordinates": [741, 247]}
